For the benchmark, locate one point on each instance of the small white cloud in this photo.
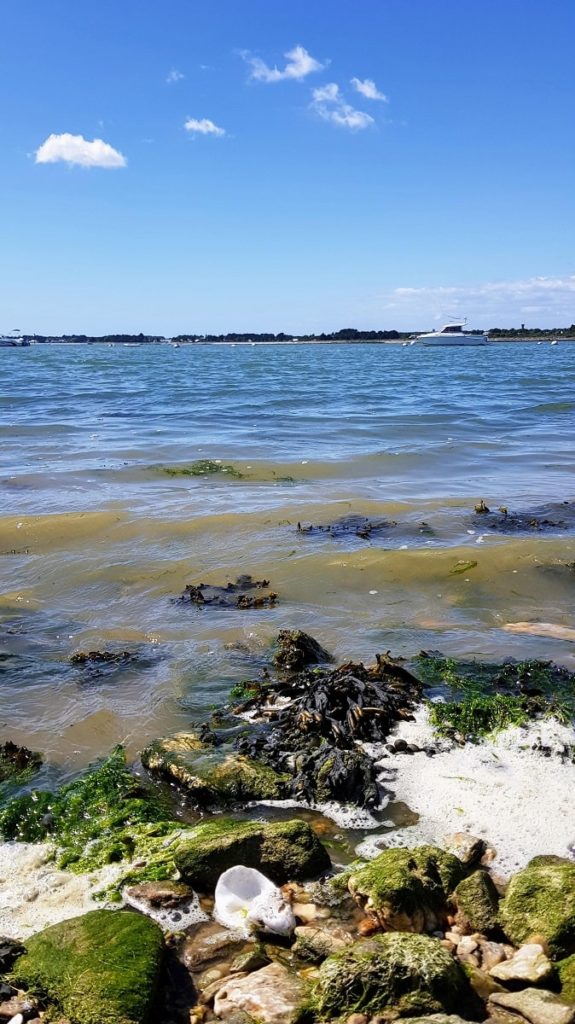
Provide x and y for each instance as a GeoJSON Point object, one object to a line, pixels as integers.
{"type": "Point", "coordinates": [329, 104]}
{"type": "Point", "coordinates": [299, 65]}
{"type": "Point", "coordinates": [203, 126]}
{"type": "Point", "coordinates": [368, 88]}
{"type": "Point", "coordinates": [174, 76]}
{"type": "Point", "coordinates": [75, 149]}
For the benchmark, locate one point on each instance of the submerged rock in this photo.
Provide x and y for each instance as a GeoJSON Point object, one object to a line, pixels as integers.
{"type": "Point", "coordinates": [272, 995]}
{"type": "Point", "coordinates": [540, 901]}
{"type": "Point", "coordinates": [477, 902]}
{"type": "Point", "coordinates": [102, 968]}
{"type": "Point", "coordinates": [233, 595]}
{"type": "Point", "coordinates": [407, 890]}
{"type": "Point", "coordinates": [409, 974]}
{"type": "Point", "coordinates": [212, 775]}
{"type": "Point", "coordinates": [284, 850]}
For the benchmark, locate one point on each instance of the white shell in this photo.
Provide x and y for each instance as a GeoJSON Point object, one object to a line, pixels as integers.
{"type": "Point", "coordinates": [246, 900]}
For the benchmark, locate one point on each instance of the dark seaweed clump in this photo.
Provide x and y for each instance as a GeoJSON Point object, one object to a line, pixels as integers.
{"type": "Point", "coordinates": [315, 737]}
{"type": "Point", "coordinates": [204, 467]}
{"type": "Point", "coordinates": [233, 595]}
{"type": "Point", "coordinates": [546, 518]}
{"type": "Point", "coordinates": [352, 525]}
{"type": "Point", "coordinates": [17, 764]}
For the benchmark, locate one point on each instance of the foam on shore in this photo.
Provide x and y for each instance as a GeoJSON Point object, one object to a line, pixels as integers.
{"type": "Point", "coordinates": [344, 815]}
{"type": "Point", "coordinates": [513, 790]}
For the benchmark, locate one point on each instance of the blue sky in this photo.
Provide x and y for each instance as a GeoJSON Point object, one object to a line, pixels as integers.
{"type": "Point", "coordinates": [441, 182]}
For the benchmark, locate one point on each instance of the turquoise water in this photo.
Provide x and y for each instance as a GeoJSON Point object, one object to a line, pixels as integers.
{"type": "Point", "coordinates": [96, 538]}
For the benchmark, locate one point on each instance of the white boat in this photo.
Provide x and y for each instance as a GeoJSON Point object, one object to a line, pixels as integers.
{"type": "Point", "coordinates": [452, 334]}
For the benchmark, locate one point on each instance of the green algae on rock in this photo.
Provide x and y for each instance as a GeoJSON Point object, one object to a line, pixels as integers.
{"type": "Point", "coordinates": [409, 974]}
{"type": "Point", "coordinates": [477, 902]}
{"type": "Point", "coordinates": [406, 890]}
{"type": "Point", "coordinates": [476, 716]}
{"type": "Point", "coordinates": [285, 850]}
{"type": "Point", "coordinates": [566, 971]}
{"type": "Point", "coordinates": [101, 968]}
{"type": "Point", "coordinates": [212, 775]}
{"type": "Point", "coordinates": [17, 765]}
{"type": "Point", "coordinates": [296, 650]}
{"type": "Point", "coordinates": [540, 900]}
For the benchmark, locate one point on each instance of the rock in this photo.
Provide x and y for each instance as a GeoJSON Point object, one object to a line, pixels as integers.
{"type": "Point", "coordinates": [306, 912]}
{"type": "Point", "coordinates": [540, 900]}
{"type": "Point", "coordinates": [534, 1004]}
{"type": "Point", "coordinates": [357, 1018]}
{"type": "Point", "coordinates": [566, 972]}
{"type": "Point", "coordinates": [161, 894]}
{"type": "Point", "coordinates": [297, 650]}
{"type": "Point", "coordinates": [468, 848]}
{"type": "Point", "coordinates": [408, 974]}
{"type": "Point", "coordinates": [529, 964]}
{"type": "Point", "coordinates": [481, 983]}
{"type": "Point", "coordinates": [10, 949]}
{"type": "Point", "coordinates": [283, 850]}
{"type": "Point", "coordinates": [406, 890]}
{"type": "Point", "coordinates": [17, 1005]}
{"type": "Point", "coordinates": [212, 775]}
{"type": "Point", "coordinates": [272, 996]}
{"type": "Point", "coordinates": [102, 968]}
{"type": "Point", "coordinates": [315, 944]}
{"type": "Point", "coordinates": [17, 764]}
{"type": "Point", "coordinates": [210, 942]}
{"type": "Point", "coordinates": [492, 953]}
{"type": "Point", "coordinates": [253, 960]}
{"type": "Point", "coordinates": [477, 902]}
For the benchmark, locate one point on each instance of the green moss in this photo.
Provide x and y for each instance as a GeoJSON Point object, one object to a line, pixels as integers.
{"type": "Point", "coordinates": [540, 900]}
{"type": "Point", "coordinates": [566, 972]}
{"type": "Point", "coordinates": [213, 776]}
{"type": "Point", "coordinates": [477, 901]}
{"type": "Point", "coordinates": [410, 974]}
{"type": "Point", "coordinates": [103, 808]}
{"type": "Point", "coordinates": [282, 850]}
{"type": "Point", "coordinates": [204, 467]}
{"type": "Point", "coordinates": [477, 716]}
{"type": "Point", "coordinates": [102, 968]}
{"type": "Point", "coordinates": [407, 890]}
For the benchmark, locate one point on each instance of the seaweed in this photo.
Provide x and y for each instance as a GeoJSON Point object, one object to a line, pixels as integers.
{"type": "Point", "coordinates": [17, 764]}
{"type": "Point", "coordinates": [478, 716]}
{"type": "Point", "coordinates": [233, 595]}
{"type": "Point", "coordinates": [352, 525]}
{"type": "Point", "coordinates": [204, 467]}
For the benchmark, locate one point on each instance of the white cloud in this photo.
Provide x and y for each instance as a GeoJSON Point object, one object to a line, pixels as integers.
{"type": "Point", "coordinates": [203, 126]}
{"type": "Point", "coordinates": [174, 76]}
{"type": "Point", "coordinates": [491, 303]}
{"type": "Point", "coordinates": [300, 63]}
{"type": "Point", "coordinates": [75, 149]}
{"type": "Point", "coordinates": [368, 88]}
{"type": "Point", "coordinates": [329, 104]}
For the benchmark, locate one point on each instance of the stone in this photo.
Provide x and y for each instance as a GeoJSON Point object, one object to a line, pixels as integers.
{"type": "Point", "coordinates": [407, 889]}
{"type": "Point", "coordinates": [305, 912]}
{"type": "Point", "coordinates": [296, 650]}
{"type": "Point", "coordinates": [283, 851]}
{"type": "Point", "coordinates": [210, 942]}
{"type": "Point", "coordinates": [492, 953]}
{"type": "Point", "coordinates": [253, 960]}
{"type": "Point", "coordinates": [315, 944]}
{"type": "Point", "coordinates": [357, 1018]}
{"type": "Point", "coordinates": [101, 968]}
{"type": "Point", "coordinates": [271, 995]}
{"type": "Point", "coordinates": [161, 894]}
{"type": "Point", "coordinates": [404, 973]}
{"type": "Point", "coordinates": [481, 983]}
{"type": "Point", "coordinates": [536, 1005]}
{"type": "Point", "coordinates": [466, 945]}
{"type": "Point", "coordinates": [17, 1004]}
{"type": "Point", "coordinates": [469, 849]}
{"type": "Point", "coordinates": [529, 964]}
{"type": "Point", "coordinates": [540, 900]}
{"type": "Point", "coordinates": [477, 902]}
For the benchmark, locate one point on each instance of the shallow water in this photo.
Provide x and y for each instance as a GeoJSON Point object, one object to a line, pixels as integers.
{"type": "Point", "coordinates": [96, 539]}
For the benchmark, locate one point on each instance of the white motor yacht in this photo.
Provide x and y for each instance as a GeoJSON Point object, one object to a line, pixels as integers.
{"type": "Point", "coordinates": [452, 334]}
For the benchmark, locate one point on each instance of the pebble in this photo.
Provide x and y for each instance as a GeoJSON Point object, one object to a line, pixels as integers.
{"type": "Point", "coordinates": [529, 964]}
{"type": "Point", "coordinates": [357, 1018]}
{"type": "Point", "coordinates": [305, 912]}
{"type": "Point", "coordinates": [492, 953]}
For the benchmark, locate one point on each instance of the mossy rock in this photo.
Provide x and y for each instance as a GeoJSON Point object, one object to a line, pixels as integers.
{"type": "Point", "coordinates": [406, 890]}
{"type": "Point", "coordinates": [409, 974]}
{"type": "Point", "coordinates": [102, 968]}
{"type": "Point", "coordinates": [540, 900]}
{"type": "Point", "coordinates": [285, 850]}
{"type": "Point", "coordinates": [566, 972]}
{"type": "Point", "coordinates": [477, 902]}
{"type": "Point", "coordinates": [216, 777]}
{"type": "Point", "coordinates": [296, 650]}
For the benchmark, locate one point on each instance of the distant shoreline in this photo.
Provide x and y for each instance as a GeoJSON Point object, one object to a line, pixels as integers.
{"type": "Point", "coordinates": [26, 342]}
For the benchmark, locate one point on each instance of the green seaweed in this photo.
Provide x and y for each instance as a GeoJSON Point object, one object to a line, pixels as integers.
{"type": "Point", "coordinates": [540, 900]}
{"type": "Point", "coordinates": [204, 467]}
{"type": "Point", "coordinates": [101, 968]}
{"type": "Point", "coordinates": [17, 766]}
{"type": "Point", "coordinates": [477, 716]}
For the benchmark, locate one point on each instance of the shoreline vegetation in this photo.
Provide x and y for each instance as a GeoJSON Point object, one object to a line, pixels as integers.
{"type": "Point", "coordinates": [345, 336]}
{"type": "Point", "coordinates": [431, 931]}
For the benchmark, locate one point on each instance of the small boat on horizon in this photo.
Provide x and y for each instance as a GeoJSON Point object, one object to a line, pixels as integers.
{"type": "Point", "coordinates": [452, 334]}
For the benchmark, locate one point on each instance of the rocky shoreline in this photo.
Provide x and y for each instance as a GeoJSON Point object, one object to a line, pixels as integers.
{"type": "Point", "coordinates": [430, 930]}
